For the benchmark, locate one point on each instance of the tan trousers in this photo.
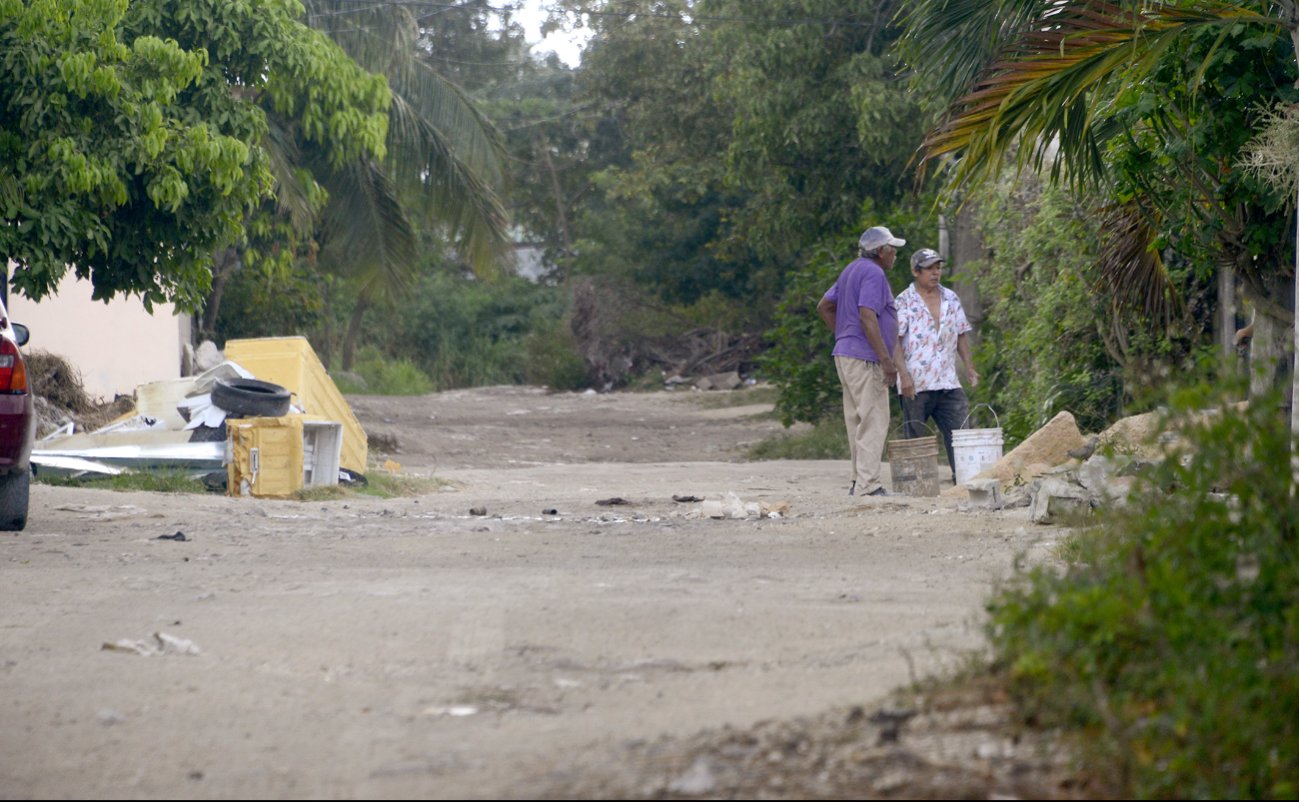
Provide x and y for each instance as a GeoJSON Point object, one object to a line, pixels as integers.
{"type": "Point", "coordinates": [866, 414]}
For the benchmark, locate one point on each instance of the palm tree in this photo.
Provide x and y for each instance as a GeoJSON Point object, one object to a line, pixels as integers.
{"type": "Point", "coordinates": [1028, 80]}
{"type": "Point", "coordinates": [441, 173]}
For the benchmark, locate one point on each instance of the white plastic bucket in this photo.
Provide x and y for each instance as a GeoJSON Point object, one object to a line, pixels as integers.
{"type": "Point", "coordinates": [974, 450]}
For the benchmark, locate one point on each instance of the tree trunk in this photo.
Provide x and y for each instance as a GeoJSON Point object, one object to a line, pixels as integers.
{"type": "Point", "coordinates": [1227, 311]}
{"type": "Point", "coordinates": [1294, 346]}
{"type": "Point", "coordinates": [348, 349]}
{"type": "Point", "coordinates": [1290, 16]}
{"type": "Point", "coordinates": [223, 265]}
{"type": "Point", "coordinates": [561, 212]}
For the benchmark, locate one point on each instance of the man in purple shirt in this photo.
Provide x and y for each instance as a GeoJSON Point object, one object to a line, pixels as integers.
{"type": "Point", "coordinates": [859, 310]}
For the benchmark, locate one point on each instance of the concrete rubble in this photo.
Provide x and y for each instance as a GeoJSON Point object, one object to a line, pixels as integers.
{"type": "Point", "coordinates": [733, 507]}
{"type": "Point", "coordinates": [1062, 476]}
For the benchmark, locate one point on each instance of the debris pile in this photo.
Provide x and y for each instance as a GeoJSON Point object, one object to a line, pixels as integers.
{"type": "Point", "coordinates": [268, 424]}
{"type": "Point", "coordinates": [1061, 475]}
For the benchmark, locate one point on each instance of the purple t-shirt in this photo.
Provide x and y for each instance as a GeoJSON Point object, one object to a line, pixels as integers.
{"type": "Point", "coordinates": [864, 280]}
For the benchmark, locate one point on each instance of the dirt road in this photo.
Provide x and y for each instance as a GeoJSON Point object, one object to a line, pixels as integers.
{"type": "Point", "coordinates": [409, 648]}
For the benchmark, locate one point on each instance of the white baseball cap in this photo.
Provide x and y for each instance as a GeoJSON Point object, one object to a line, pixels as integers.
{"type": "Point", "coordinates": [878, 237]}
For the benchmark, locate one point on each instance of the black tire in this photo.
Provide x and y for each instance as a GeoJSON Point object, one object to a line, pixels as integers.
{"type": "Point", "coordinates": [250, 398]}
{"type": "Point", "coordinates": [15, 491]}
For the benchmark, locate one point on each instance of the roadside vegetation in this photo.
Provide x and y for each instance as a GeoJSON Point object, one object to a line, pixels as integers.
{"type": "Point", "coordinates": [1168, 646]}
{"type": "Point", "coordinates": [156, 481]}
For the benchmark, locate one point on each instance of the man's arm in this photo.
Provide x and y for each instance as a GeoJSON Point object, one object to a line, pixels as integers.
{"type": "Point", "coordinates": [906, 385]}
{"type": "Point", "coordinates": [826, 308]}
{"type": "Point", "coordinates": [870, 324]}
{"type": "Point", "coordinates": [963, 350]}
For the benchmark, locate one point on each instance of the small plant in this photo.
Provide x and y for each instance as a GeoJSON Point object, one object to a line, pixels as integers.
{"type": "Point", "coordinates": [385, 484]}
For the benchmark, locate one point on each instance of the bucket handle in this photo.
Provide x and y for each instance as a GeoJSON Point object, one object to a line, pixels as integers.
{"type": "Point", "coordinates": [990, 409]}
{"type": "Point", "coordinates": [923, 423]}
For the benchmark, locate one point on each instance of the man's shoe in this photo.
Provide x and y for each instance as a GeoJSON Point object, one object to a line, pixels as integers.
{"type": "Point", "coordinates": [879, 491]}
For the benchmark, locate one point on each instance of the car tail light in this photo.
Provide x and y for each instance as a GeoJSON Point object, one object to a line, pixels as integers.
{"type": "Point", "coordinates": [13, 370]}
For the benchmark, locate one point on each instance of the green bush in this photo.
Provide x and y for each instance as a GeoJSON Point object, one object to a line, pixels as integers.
{"type": "Point", "coordinates": [799, 362]}
{"type": "Point", "coordinates": [465, 332]}
{"type": "Point", "coordinates": [1170, 641]}
{"type": "Point", "coordinates": [553, 360]}
{"type": "Point", "coordinates": [381, 375]}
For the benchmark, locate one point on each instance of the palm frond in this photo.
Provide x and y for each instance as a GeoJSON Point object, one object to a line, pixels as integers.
{"type": "Point", "coordinates": [1133, 274]}
{"type": "Point", "coordinates": [445, 158]}
{"type": "Point", "coordinates": [451, 190]}
{"type": "Point", "coordinates": [293, 197]}
{"type": "Point", "coordinates": [365, 233]}
{"type": "Point", "coordinates": [1048, 87]}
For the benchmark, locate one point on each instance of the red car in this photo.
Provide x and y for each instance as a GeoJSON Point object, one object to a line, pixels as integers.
{"type": "Point", "coordinates": [17, 426]}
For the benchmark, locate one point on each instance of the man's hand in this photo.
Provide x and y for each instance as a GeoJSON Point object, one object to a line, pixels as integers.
{"type": "Point", "coordinates": [908, 389]}
{"type": "Point", "coordinates": [890, 372]}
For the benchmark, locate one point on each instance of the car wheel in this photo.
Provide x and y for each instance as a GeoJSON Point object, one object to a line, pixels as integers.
{"type": "Point", "coordinates": [250, 397]}
{"type": "Point", "coordinates": [15, 490]}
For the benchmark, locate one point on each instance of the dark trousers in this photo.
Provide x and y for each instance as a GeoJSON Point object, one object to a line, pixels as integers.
{"type": "Point", "coordinates": [948, 408]}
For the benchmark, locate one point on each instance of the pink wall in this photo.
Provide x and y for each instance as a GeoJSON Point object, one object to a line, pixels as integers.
{"type": "Point", "coordinates": [117, 346]}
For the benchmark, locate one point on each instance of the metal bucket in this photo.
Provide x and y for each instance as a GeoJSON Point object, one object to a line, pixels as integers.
{"type": "Point", "coordinates": [975, 449]}
{"type": "Point", "coordinates": [914, 465]}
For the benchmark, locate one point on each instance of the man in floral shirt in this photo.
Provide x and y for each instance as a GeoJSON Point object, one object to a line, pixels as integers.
{"type": "Point", "coordinates": [932, 331]}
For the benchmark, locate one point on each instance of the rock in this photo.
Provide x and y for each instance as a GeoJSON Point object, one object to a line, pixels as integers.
{"type": "Point", "coordinates": [207, 356]}
{"type": "Point", "coordinates": [698, 780]}
{"type": "Point", "coordinates": [1055, 499]}
{"type": "Point", "coordinates": [985, 493]}
{"type": "Point", "coordinates": [720, 381]}
{"type": "Point", "coordinates": [1134, 435]}
{"type": "Point", "coordinates": [1043, 450]}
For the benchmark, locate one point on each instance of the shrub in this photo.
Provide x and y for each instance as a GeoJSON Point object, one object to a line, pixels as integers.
{"type": "Point", "coordinates": [553, 360]}
{"type": "Point", "coordinates": [383, 375]}
{"type": "Point", "coordinates": [1171, 640]}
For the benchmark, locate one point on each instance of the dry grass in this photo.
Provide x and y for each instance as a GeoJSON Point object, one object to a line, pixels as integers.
{"type": "Point", "coordinates": [62, 396]}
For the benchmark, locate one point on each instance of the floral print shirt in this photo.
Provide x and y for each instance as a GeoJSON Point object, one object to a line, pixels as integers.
{"type": "Point", "coordinates": [929, 349]}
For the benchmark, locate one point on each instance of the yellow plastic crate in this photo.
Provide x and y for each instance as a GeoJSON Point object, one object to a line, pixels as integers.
{"type": "Point", "coordinates": [292, 363]}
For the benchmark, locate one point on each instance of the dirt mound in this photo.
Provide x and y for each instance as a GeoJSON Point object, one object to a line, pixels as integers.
{"type": "Point", "coordinates": [960, 740]}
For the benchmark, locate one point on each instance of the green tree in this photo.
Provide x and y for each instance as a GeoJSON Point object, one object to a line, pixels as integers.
{"type": "Point", "coordinates": [821, 118]}
{"type": "Point", "coordinates": [1029, 81]}
{"type": "Point", "coordinates": [130, 144]}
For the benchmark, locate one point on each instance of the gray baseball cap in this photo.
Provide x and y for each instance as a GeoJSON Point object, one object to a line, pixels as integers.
{"type": "Point", "coordinates": [924, 258]}
{"type": "Point", "coordinates": [878, 237]}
